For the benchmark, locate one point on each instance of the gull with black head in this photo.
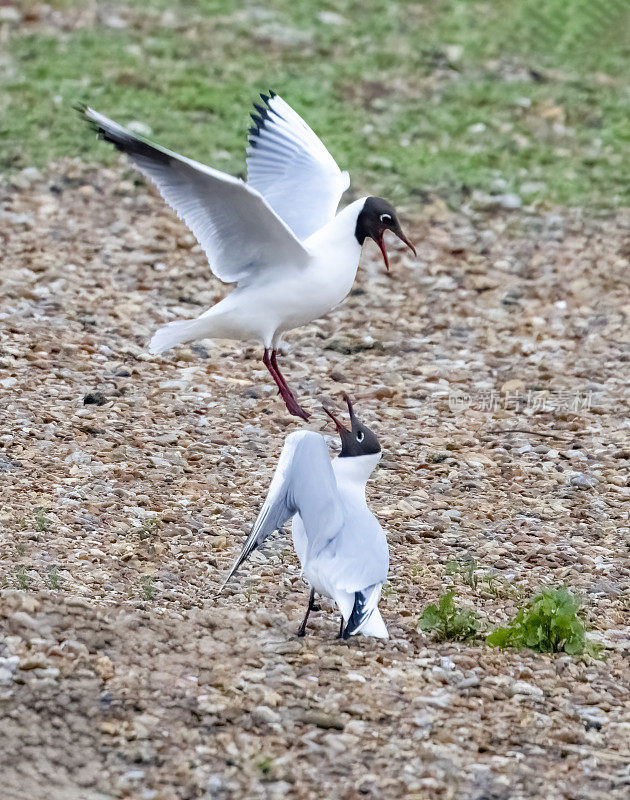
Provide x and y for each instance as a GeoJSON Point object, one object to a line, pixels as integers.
{"type": "Point", "coordinates": [278, 236]}
{"type": "Point", "coordinates": [340, 544]}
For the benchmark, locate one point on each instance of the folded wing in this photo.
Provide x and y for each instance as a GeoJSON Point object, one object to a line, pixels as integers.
{"type": "Point", "coordinates": [303, 483]}
{"type": "Point", "coordinates": [236, 227]}
{"type": "Point", "coordinates": [288, 164]}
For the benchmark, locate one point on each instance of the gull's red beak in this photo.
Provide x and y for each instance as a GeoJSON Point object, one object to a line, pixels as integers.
{"type": "Point", "coordinates": [404, 239]}
{"type": "Point", "coordinates": [349, 402]}
{"type": "Point", "coordinates": [381, 243]}
{"type": "Point", "coordinates": [340, 428]}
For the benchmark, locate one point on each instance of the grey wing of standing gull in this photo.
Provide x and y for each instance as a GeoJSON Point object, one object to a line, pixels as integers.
{"type": "Point", "coordinates": [303, 483]}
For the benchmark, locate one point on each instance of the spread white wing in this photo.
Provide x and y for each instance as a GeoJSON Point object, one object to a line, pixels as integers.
{"type": "Point", "coordinates": [303, 483]}
{"type": "Point", "coordinates": [288, 164]}
{"type": "Point", "coordinates": [236, 227]}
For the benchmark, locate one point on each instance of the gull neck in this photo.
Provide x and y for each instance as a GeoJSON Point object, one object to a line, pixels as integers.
{"type": "Point", "coordinates": [355, 471]}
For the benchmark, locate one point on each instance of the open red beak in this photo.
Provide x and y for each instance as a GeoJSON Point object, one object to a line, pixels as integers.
{"type": "Point", "coordinates": [381, 243]}
{"type": "Point", "coordinates": [404, 239]}
{"type": "Point", "coordinates": [338, 425]}
{"type": "Point", "coordinates": [349, 402]}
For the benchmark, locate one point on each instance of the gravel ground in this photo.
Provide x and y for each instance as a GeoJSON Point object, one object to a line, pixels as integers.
{"type": "Point", "coordinates": [494, 372]}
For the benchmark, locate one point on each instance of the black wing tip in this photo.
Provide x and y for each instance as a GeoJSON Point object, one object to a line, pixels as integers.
{"type": "Point", "coordinates": [254, 131]}
{"type": "Point", "coordinates": [82, 109]}
{"type": "Point", "coordinates": [124, 141]}
{"type": "Point", "coordinates": [261, 117]}
{"type": "Point", "coordinates": [267, 97]}
{"type": "Point", "coordinates": [263, 111]}
{"type": "Point", "coordinates": [253, 134]}
{"type": "Point", "coordinates": [359, 615]}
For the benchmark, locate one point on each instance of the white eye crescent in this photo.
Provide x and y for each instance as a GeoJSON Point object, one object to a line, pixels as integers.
{"type": "Point", "coordinates": [360, 437]}
{"type": "Point", "coordinates": [384, 217]}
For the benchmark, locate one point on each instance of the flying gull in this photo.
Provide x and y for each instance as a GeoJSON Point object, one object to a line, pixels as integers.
{"type": "Point", "coordinates": [278, 236]}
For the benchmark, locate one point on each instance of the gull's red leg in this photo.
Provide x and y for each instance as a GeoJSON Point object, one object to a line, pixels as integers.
{"type": "Point", "coordinates": [291, 403]}
{"type": "Point", "coordinates": [274, 364]}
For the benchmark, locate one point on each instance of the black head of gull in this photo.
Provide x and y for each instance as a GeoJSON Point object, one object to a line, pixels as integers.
{"type": "Point", "coordinates": [376, 217]}
{"type": "Point", "coordinates": [360, 440]}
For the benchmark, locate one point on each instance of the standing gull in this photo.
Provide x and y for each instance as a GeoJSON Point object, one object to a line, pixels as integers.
{"type": "Point", "coordinates": [339, 542]}
{"type": "Point", "coordinates": [277, 237]}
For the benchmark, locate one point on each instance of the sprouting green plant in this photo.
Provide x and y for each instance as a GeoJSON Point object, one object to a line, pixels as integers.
{"type": "Point", "coordinates": [466, 569]}
{"type": "Point", "coordinates": [468, 573]}
{"type": "Point", "coordinates": [22, 577]}
{"type": "Point", "coordinates": [549, 623]}
{"type": "Point", "coordinates": [20, 550]}
{"type": "Point", "coordinates": [149, 525]}
{"type": "Point", "coordinates": [446, 621]}
{"type": "Point", "coordinates": [53, 577]}
{"type": "Point", "coordinates": [42, 523]}
{"type": "Point", "coordinates": [265, 764]}
{"type": "Point", "coordinates": [251, 591]}
{"type": "Point", "coordinates": [144, 530]}
{"type": "Point", "coordinates": [496, 586]}
{"type": "Point", "coordinates": [148, 589]}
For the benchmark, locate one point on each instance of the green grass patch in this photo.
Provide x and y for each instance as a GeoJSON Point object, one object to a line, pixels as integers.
{"type": "Point", "coordinates": [22, 578]}
{"type": "Point", "coordinates": [485, 583]}
{"type": "Point", "coordinates": [53, 577]}
{"type": "Point", "coordinates": [448, 96]}
{"type": "Point", "coordinates": [148, 588]}
{"type": "Point", "coordinates": [549, 623]}
{"type": "Point", "coordinates": [265, 764]}
{"type": "Point", "coordinates": [42, 523]}
{"type": "Point", "coordinates": [149, 526]}
{"type": "Point", "coordinates": [466, 569]}
{"type": "Point", "coordinates": [448, 622]}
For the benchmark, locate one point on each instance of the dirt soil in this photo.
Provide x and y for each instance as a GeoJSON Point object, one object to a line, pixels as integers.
{"type": "Point", "coordinates": [494, 371]}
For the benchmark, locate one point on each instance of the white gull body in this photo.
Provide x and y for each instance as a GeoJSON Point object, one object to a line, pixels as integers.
{"type": "Point", "coordinates": [263, 309]}
{"type": "Point", "coordinates": [357, 559]}
{"type": "Point", "coordinates": [341, 546]}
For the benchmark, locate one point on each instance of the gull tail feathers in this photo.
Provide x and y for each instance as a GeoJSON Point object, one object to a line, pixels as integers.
{"type": "Point", "coordinates": [365, 617]}
{"type": "Point", "coordinates": [179, 332]}
{"type": "Point", "coordinates": [375, 626]}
